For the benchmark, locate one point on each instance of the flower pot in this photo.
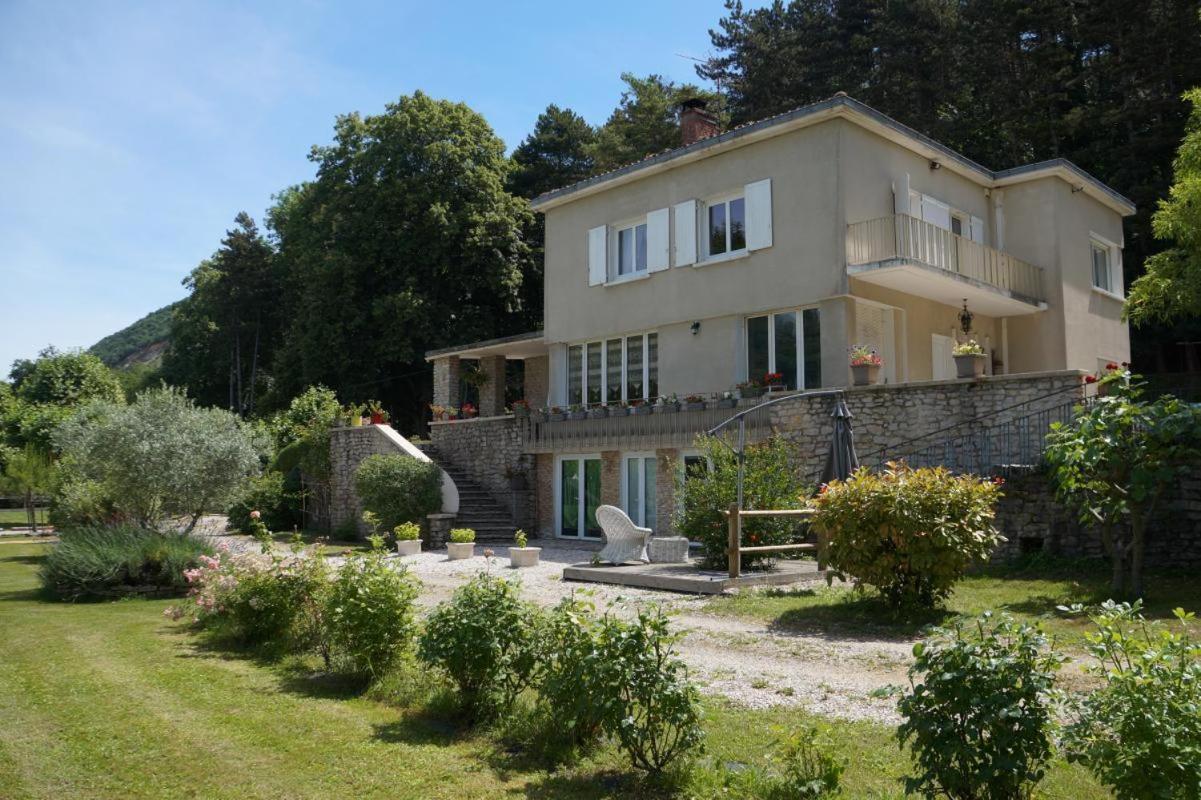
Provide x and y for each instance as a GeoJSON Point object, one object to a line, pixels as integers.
{"type": "Point", "coordinates": [698, 406]}
{"type": "Point", "coordinates": [408, 547]}
{"type": "Point", "coordinates": [521, 412]}
{"type": "Point", "coordinates": [970, 365]}
{"type": "Point", "coordinates": [725, 402]}
{"type": "Point", "coordinates": [749, 392]}
{"type": "Point", "coordinates": [776, 387]}
{"type": "Point", "coordinates": [523, 556]}
{"type": "Point", "coordinates": [640, 409]}
{"type": "Point", "coordinates": [577, 415]}
{"type": "Point", "coordinates": [537, 416]}
{"type": "Point", "coordinates": [667, 408]}
{"type": "Point", "coordinates": [377, 419]}
{"type": "Point", "coordinates": [555, 417]}
{"type": "Point", "coordinates": [865, 374]}
{"type": "Point", "coordinates": [600, 412]}
{"type": "Point", "coordinates": [457, 551]}
{"type": "Point", "coordinates": [356, 422]}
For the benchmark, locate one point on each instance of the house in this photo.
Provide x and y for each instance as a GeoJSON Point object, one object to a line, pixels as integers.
{"type": "Point", "coordinates": [775, 247]}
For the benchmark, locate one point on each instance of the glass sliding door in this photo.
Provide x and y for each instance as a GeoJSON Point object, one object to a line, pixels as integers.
{"type": "Point", "coordinates": [579, 492]}
{"type": "Point", "coordinates": [787, 342]}
{"type": "Point", "coordinates": [638, 489]}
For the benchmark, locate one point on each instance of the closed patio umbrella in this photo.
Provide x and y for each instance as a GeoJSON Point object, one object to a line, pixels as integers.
{"type": "Point", "coordinates": [841, 460]}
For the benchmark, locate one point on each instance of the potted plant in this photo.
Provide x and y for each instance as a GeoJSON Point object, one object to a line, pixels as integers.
{"type": "Point", "coordinates": [576, 412]}
{"type": "Point", "coordinates": [468, 411]}
{"type": "Point", "coordinates": [750, 389]}
{"type": "Point", "coordinates": [555, 414]}
{"type": "Point", "coordinates": [377, 413]}
{"type": "Point", "coordinates": [521, 555]}
{"type": "Point", "coordinates": [461, 544]}
{"type": "Point", "coordinates": [774, 381]}
{"type": "Point", "coordinates": [639, 407]}
{"type": "Point", "coordinates": [538, 415]}
{"type": "Point", "coordinates": [694, 402]}
{"type": "Point", "coordinates": [969, 359]}
{"type": "Point", "coordinates": [353, 416]}
{"type": "Point", "coordinates": [667, 405]}
{"type": "Point", "coordinates": [724, 400]}
{"type": "Point", "coordinates": [598, 412]}
{"type": "Point", "coordinates": [520, 409]}
{"type": "Point", "coordinates": [865, 365]}
{"type": "Point", "coordinates": [408, 538]}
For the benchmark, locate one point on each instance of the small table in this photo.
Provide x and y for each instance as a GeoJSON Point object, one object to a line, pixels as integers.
{"type": "Point", "coordinates": [669, 549]}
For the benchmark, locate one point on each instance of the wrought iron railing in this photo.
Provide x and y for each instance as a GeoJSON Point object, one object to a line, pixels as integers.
{"type": "Point", "coordinates": [902, 237]}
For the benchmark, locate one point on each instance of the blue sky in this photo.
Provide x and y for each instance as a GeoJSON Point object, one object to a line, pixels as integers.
{"type": "Point", "coordinates": [132, 133]}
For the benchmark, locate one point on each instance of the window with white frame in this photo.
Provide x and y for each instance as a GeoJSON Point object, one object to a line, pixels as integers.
{"type": "Point", "coordinates": [630, 250]}
{"type": "Point", "coordinates": [725, 226]}
{"type": "Point", "coordinates": [788, 343]}
{"type": "Point", "coordinates": [1106, 258]}
{"type": "Point", "coordinates": [638, 488]}
{"type": "Point", "coordinates": [616, 370]}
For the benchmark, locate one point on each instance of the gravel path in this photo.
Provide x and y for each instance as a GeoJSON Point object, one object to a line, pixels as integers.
{"type": "Point", "coordinates": [740, 660]}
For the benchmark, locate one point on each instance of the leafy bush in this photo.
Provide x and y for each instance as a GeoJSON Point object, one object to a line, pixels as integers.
{"type": "Point", "coordinates": [808, 770]}
{"type": "Point", "coordinates": [771, 480]}
{"type": "Point", "coordinates": [407, 532]}
{"type": "Point", "coordinates": [484, 638]}
{"type": "Point", "coordinates": [575, 680]}
{"type": "Point", "coordinates": [910, 533]}
{"type": "Point", "coordinates": [77, 502]}
{"type": "Point", "coordinates": [268, 495]}
{"type": "Point", "coordinates": [370, 613]}
{"type": "Point", "coordinates": [261, 599]}
{"type": "Point", "coordinates": [1140, 733]}
{"type": "Point", "coordinates": [462, 535]}
{"type": "Point", "coordinates": [161, 456]}
{"type": "Point", "coordinates": [106, 562]}
{"type": "Point", "coordinates": [399, 488]}
{"type": "Point", "coordinates": [660, 713]}
{"type": "Point", "coordinates": [979, 722]}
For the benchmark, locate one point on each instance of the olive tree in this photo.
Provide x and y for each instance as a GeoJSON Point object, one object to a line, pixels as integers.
{"type": "Point", "coordinates": [1115, 462]}
{"type": "Point", "coordinates": [161, 456]}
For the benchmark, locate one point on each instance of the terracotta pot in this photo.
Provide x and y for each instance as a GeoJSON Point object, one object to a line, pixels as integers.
{"type": "Point", "coordinates": [865, 374]}
{"type": "Point", "coordinates": [377, 419]}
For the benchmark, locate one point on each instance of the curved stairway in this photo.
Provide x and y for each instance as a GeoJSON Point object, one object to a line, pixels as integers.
{"type": "Point", "coordinates": [478, 509]}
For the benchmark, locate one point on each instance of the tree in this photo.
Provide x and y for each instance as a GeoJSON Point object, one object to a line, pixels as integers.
{"type": "Point", "coordinates": [646, 120]}
{"type": "Point", "coordinates": [406, 240]}
{"type": "Point", "coordinates": [66, 379]}
{"type": "Point", "coordinates": [224, 333]}
{"type": "Point", "coordinates": [161, 456]}
{"type": "Point", "coordinates": [28, 473]}
{"type": "Point", "coordinates": [1117, 460]}
{"type": "Point", "coordinates": [1171, 286]}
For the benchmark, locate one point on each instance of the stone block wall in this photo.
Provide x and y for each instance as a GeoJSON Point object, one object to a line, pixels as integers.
{"type": "Point", "coordinates": [347, 449]}
{"type": "Point", "coordinates": [537, 381]}
{"type": "Point", "coordinates": [490, 451]}
{"type": "Point", "coordinates": [885, 416]}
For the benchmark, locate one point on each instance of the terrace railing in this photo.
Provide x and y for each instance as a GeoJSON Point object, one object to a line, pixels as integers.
{"type": "Point", "coordinates": [906, 238]}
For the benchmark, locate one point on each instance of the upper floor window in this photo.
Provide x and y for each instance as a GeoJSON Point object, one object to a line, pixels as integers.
{"type": "Point", "coordinates": [1106, 260]}
{"type": "Point", "coordinates": [631, 249]}
{"type": "Point", "coordinates": [726, 232]}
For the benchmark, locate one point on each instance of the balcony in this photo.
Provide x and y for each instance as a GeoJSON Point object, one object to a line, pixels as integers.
{"type": "Point", "coordinates": [910, 255]}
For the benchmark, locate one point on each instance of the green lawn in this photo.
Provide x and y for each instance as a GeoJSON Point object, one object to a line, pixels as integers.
{"type": "Point", "coordinates": [15, 517]}
{"type": "Point", "coordinates": [106, 700]}
{"type": "Point", "coordinates": [1032, 592]}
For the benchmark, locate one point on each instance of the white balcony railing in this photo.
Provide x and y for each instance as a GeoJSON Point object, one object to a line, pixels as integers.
{"type": "Point", "coordinates": [906, 238]}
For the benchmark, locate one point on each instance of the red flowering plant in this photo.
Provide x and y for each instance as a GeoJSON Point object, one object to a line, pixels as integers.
{"type": "Point", "coordinates": [773, 379]}
{"type": "Point", "coordinates": [467, 410]}
{"type": "Point", "coordinates": [864, 356]}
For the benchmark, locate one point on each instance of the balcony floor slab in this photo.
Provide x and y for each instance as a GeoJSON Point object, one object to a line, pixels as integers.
{"type": "Point", "coordinates": [943, 286]}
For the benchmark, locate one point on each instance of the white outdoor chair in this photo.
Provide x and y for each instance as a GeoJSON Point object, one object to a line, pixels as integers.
{"type": "Point", "coordinates": [624, 541]}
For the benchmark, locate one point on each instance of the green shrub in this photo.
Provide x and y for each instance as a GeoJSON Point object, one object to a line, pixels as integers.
{"type": "Point", "coordinates": [80, 503]}
{"type": "Point", "coordinates": [407, 532]}
{"type": "Point", "coordinates": [110, 561]}
{"type": "Point", "coordinates": [484, 638]}
{"type": "Point", "coordinates": [910, 533]}
{"type": "Point", "coordinates": [1140, 733]}
{"type": "Point", "coordinates": [369, 613]}
{"type": "Point", "coordinates": [771, 480]}
{"type": "Point", "coordinates": [979, 721]}
{"type": "Point", "coordinates": [660, 713]}
{"type": "Point", "coordinates": [399, 488]}
{"type": "Point", "coordinates": [269, 495]}
{"type": "Point", "coordinates": [808, 770]}
{"type": "Point", "coordinates": [462, 535]}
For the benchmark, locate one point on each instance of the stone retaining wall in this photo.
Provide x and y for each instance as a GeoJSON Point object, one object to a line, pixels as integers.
{"type": "Point", "coordinates": [489, 450]}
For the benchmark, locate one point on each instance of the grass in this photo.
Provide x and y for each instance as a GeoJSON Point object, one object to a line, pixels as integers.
{"type": "Point", "coordinates": [104, 700]}
{"type": "Point", "coordinates": [16, 518]}
{"type": "Point", "coordinates": [1030, 591]}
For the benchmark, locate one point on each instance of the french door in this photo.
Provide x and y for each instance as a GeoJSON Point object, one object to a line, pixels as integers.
{"type": "Point", "coordinates": [577, 496]}
{"type": "Point", "coordinates": [638, 489]}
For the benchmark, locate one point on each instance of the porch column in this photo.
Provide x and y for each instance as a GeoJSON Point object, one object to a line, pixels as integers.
{"type": "Point", "coordinates": [446, 381]}
{"type": "Point", "coordinates": [537, 381]}
{"type": "Point", "coordinates": [492, 390]}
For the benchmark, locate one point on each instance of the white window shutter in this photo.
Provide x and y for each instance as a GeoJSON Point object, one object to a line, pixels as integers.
{"type": "Point", "coordinates": [657, 225]}
{"type": "Point", "coordinates": [685, 214]}
{"type": "Point", "coordinates": [977, 230]}
{"type": "Point", "coordinates": [598, 262]}
{"type": "Point", "coordinates": [936, 212]}
{"type": "Point", "coordinates": [758, 214]}
{"type": "Point", "coordinates": [900, 195]}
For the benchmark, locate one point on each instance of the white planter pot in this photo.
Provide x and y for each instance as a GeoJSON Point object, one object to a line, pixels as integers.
{"type": "Point", "coordinates": [408, 547]}
{"type": "Point", "coordinates": [457, 551]}
{"type": "Point", "coordinates": [523, 556]}
{"type": "Point", "coordinates": [970, 366]}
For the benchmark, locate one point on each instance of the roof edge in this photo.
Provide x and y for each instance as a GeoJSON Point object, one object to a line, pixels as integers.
{"type": "Point", "coordinates": [530, 336]}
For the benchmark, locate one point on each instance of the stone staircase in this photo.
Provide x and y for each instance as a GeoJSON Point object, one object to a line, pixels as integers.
{"type": "Point", "coordinates": [478, 510]}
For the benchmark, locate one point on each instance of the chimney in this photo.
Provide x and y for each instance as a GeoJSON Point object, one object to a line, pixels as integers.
{"type": "Point", "coordinates": [695, 122]}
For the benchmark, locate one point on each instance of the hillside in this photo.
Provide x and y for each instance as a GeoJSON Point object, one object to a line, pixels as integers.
{"type": "Point", "coordinates": [142, 342]}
